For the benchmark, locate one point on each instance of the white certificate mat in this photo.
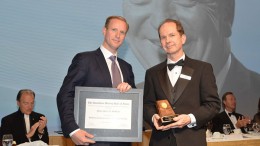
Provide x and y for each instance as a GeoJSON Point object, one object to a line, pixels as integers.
{"type": "Point", "coordinates": [108, 114]}
{"type": "Point", "coordinates": [104, 113]}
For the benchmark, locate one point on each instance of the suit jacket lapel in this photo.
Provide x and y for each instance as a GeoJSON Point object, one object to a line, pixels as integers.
{"type": "Point", "coordinates": [164, 82]}
{"type": "Point", "coordinates": [32, 119]}
{"type": "Point", "coordinates": [183, 81]}
{"type": "Point", "coordinates": [21, 120]}
{"type": "Point", "coordinates": [227, 119]}
{"type": "Point", "coordinates": [123, 70]}
{"type": "Point", "coordinates": [106, 78]}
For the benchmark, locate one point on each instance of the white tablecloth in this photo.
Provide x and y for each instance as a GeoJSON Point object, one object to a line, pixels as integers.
{"type": "Point", "coordinates": [234, 137]}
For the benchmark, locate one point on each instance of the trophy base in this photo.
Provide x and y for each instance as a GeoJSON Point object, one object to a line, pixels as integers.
{"type": "Point", "coordinates": [165, 120]}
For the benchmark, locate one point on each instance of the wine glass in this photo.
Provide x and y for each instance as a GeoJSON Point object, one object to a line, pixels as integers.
{"type": "Point", "coordinates": [7, 140]}
{"type": "Point", "coordinates": [249, 127]}
{"type": "Point", "coordinates": [226, 129]}
{"type": "Point", "coordinates": [256, 127]}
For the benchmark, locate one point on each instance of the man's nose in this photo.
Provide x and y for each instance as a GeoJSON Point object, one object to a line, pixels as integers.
{"type": "Point", "coordinates": [118, 34]}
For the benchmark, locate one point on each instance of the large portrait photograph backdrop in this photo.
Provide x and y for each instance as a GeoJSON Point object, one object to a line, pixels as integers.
{"type": "Point", "coordinates": [39, 38]}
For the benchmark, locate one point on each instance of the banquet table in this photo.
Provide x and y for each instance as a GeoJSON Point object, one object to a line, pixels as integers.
{"type": "Point", "coordinates": [59, 139]}
{"type": "Point", "coordinates": [229, 140]}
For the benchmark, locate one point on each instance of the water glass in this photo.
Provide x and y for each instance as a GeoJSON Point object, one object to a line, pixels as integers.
{"type": "Point", "coordinates": [249, 127]}
{"type": "Point", "coordinates": [226, 129]}
{"type": "Point", "coordinates": [7, 140]}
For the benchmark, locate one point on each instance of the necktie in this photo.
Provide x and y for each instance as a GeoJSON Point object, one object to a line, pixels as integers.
{"type": "Point", "coordinates": [172, 65]}
{"type": "Point", "coordinates": [116, 77]}
{"type": "Point", "coordinates": [230, 114]}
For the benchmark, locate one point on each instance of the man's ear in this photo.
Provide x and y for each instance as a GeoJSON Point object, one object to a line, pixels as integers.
{"type": "Point", "coordinates": [224, 103]}
{"type": "Point", "coordinates": [104, 31]}
{"type": "Point", "coordinates": [183, 38]}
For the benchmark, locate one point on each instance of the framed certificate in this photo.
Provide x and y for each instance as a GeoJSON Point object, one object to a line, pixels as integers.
{"type": "Point", "coordinates": [108, 114]}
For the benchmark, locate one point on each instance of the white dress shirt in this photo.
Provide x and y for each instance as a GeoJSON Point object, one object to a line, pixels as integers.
{"type": "Point", "coordinates": [27, 124]}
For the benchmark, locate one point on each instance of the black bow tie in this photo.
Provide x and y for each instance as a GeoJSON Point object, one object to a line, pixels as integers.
{"type": "Point", "coordinates": [172, 65]}
{"type": "Point", "coordinates": [230, 114]}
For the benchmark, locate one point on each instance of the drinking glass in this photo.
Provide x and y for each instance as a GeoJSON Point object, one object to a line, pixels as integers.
{"type": "Point", "coordinates": [249, 127]}
{"type": "Point", "coordinates": [256, 127]}
{"type": "Point", "coordinates": [7, 140]}
{"type": "Point", "coordinates": [226, 129]}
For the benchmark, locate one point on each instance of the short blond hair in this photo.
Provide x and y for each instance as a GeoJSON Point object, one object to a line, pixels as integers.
{"type": "Point", "coordinates": [116, 17]}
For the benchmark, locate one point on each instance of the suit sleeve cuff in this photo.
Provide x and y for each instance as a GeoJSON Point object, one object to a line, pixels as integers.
{"type": "Point", "coordinates": [74, 132]}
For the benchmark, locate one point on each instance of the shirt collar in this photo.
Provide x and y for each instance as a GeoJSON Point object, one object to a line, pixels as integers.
{"type": "Point", "coordinates": [26, 116]}
{"type": "Point", "coordinates": [106, 53]}
{"type": "Point", "coordinates": [170, 61]}
{"type": "Point", "coordinates": [228, 111]}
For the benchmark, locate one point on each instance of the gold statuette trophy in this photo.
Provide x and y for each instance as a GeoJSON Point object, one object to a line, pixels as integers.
{"type": "Point", "coordinates": [165, 112]}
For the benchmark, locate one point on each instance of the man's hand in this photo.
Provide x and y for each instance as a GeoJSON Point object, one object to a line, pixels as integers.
{"type": "Point", "coordinates": [242, 122]}
{"type": "Point", "coordinates": [81, 137]}
{"type": "Point", "coordinates": [180, 122]}
{"type": "Point", "coordinates": [123, 87]}
{"type": "Point", "coordinates": [156, 124]}
{"type": "Point", "coordinates": [42, 124]}
{"type": "Point", "coordinates": [32, 130]}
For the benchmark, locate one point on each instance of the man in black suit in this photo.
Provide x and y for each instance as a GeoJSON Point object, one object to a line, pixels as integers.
{"type": "Point", "coordinates": [190, 88]}
{"type": "Point", "coordinates": [229, 115]}
{"type": "Point", "coordinates": [92, 69]}
{"type": "Point", "coordinates": [25, 125]}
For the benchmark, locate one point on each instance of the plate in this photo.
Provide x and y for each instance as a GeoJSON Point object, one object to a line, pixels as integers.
{"type": "Point", "coordinates": [251, 135]}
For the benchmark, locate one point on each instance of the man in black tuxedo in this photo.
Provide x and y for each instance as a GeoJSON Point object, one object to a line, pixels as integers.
{"type": "Point", "coordinates": [229, 115]}
{"type": "Point", "coordinates": [190, 88]}
{"type": "Point", "coordinates": [25, 125]}
{"type": "Point", "coordinates": [92, 69]}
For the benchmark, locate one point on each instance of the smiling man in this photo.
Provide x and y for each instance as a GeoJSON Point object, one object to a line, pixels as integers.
{"type": "Point", "coordinates": [95, 69]}
{"type": "Point", "coordinates": [188, 84]}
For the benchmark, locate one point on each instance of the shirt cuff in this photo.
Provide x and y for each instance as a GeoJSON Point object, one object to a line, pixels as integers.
{"type": "Point", "coordinates": [40, 136]}
{"type": "Point", "coordinates": [74, 132]}
{"type": "Point", "coordinates": [152, 117]}
{"type": "Point", "coordinates": [192, 121]}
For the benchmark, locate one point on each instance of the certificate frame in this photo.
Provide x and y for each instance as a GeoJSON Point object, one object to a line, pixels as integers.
{"type": "Point", "coordinates": [81, 109]}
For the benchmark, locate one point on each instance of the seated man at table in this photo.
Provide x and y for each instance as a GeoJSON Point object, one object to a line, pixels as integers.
{"type": "Point", "coordinates": [229, 116]}
{"type": "Point", "coordinates": [257, 115]}
{"type": "Point", "coordinates": [25, 125]}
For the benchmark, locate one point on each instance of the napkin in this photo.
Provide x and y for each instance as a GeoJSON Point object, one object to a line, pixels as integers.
{"type": "Point", "coordinates": [34, 143]}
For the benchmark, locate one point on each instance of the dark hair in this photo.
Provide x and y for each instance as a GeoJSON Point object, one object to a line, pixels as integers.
{"type": "Point", "coordinates": [224, 97]}
{"type": "Point", "coordinates": [22, 91]}
{"type": "Point", "coordinates": [178, 26]}
{"type": "Point", "coordinates": [116, 17]}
